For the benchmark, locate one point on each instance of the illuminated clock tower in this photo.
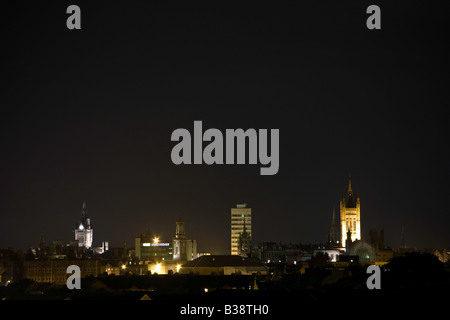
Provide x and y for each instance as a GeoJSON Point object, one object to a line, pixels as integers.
{"type": "Point", "coordinates": [350, 215]}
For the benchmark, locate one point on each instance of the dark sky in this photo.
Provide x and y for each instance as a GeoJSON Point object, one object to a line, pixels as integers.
{"type": "Point", "coordinates": [87, 115]}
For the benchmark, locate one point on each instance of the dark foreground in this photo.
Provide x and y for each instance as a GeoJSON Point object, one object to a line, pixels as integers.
{"type": "Point", "coordinates": [410, 284]}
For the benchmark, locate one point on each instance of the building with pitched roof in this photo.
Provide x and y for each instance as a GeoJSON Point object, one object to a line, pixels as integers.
{"type": "Point", "coordinates": [224, 265]}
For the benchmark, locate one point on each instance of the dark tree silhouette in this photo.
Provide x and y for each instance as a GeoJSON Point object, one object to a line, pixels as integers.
{"type": "Point", "coordinates": [415, 270]}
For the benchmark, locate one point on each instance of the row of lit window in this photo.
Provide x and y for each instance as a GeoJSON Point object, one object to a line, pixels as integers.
{"type": "Point", "coordinates": [235, 241]}
{"type": "Point", "coordinates": [351, 224]}
{"type": "Point", "coordinates": [235, 237]}
{"type": "Point", "coordinates": [50, 279]}
{"type": "Point", "coordinates": [58, 270]}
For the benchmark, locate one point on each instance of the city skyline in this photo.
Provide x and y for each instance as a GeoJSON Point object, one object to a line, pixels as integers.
{"type": "Point", "coordinates": [88, 116]}
{"type": "Point", "coordinates": [152, 230]}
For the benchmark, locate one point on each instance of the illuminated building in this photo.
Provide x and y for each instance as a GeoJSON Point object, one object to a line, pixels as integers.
{"type": "Point", "coordinates": [83, 231]}
{"type": "Point", "coordinates": [150, 247]}
{"type": "Point", "coordinates": [350, 215]}
{"type": "Point", "coordinates": [442, 254]}
{"type": "Point", "coordinates": [333, 254]}
{"type": "Point", "coordinates": [55, 270]}
{"type": "Point", "coordinates": [351, 228]}
{"type": "Point", "coordinates": [272, 252]}
{"type": "Point", "coordinates": [365, 251]}
{"type": "Point", "coordinates": [349, 233]}
{"type": "Point", "coordinates": [183, 249]}
{"type": "Point", "coordinates": [241, 220]}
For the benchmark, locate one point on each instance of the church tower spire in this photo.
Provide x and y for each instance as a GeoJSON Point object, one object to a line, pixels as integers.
{"type": "Point", "coordinates": [350, 192]}
{"type": "Point", "coordinates": [83, 230]}
{"type": "Point", "coordinates": [333, 218]}
{"type": "Point", "coordinates": [333, 235]}
{"type": "Point", "coordinates": [350, 214]}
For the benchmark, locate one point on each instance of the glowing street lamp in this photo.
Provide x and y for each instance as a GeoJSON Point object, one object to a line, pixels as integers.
{"type": "Point", "coordinates": [155, 240]}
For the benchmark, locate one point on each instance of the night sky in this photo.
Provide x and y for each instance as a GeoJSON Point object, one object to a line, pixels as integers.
{"type": "Point", "coordinates": [87, 115]}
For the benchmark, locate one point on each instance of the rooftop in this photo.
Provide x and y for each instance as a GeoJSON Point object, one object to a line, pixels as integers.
{"type": "Point", "coordinates": [223, 260]}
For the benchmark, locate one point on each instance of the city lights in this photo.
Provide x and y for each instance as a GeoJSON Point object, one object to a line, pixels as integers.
{"type": "Point", "coordinates": [275, 161]}
{"type": "Point", "coordinates": [156, 268]}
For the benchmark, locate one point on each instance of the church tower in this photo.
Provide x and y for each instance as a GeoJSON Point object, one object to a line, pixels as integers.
{"type": "Point", "coordinates": [245, 243]}
{"type": "Point", "coordinates": [350, 215]}
{"type": "Point", "coordinates": [334, 239]}
{"type": "Point", "coordinates": [83, 231]}
{"type": "Point", "coordinates": [183, 248]}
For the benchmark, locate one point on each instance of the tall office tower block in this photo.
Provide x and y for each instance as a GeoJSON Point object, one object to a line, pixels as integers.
{"type": "Point", "coordinates": [241, 230]}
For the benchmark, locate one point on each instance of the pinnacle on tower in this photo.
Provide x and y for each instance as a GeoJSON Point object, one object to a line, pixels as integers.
{"type": "Point", "coordinates": [350, 192]}
{"type": "Point", "coordinates": [350, 198]}
{"type": "Point", "coordinates": [83, 212]}
{"type": "Point", "coordinates": [179, 231]}
{"type": "Point", "coordinates": [402, 240]}
{"type": "Point", "coordinates": [333, 218]}
{"type": "Point", "coordinates": [83, 229]}
{"type": "Point", "coordinates": [350, 214]}
{"type": "Point", "coordinates": [333, 234]}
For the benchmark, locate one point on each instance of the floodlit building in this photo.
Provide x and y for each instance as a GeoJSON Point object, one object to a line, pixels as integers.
{"type": "Point", "coordinates": [350, 215]}
{"type": "Point", "coordinates": [84, 233]}
{"type": "Point", "coordinates": [241, 230]}
{"type": "Point", "coordinates": [442, 254]}
{"type": "Point", "coordinates": [333, 254]}
{"type": "Point", "coordinates": [149, 247]}
{"type": "Point", "coordinates": [183, 249]}
{"type": "Point", "coordinates": [55, 270]}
